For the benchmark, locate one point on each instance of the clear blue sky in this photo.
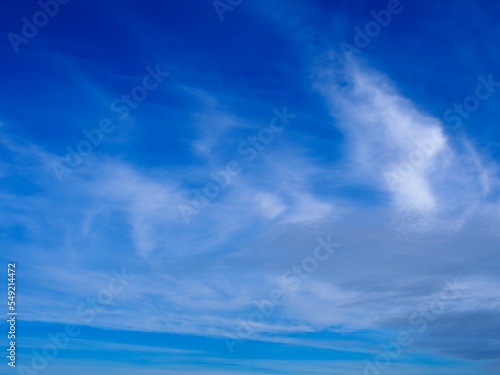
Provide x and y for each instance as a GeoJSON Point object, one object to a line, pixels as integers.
{"type": "Point", "coordinates": [268, 187]}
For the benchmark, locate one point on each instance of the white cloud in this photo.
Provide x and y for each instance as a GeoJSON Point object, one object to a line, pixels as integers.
{"type": "Point", "coordinates": [270, 205]}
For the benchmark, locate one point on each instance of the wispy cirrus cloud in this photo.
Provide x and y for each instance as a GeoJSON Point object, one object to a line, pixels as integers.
{"type": "Point", "coordinates": [366, 160]}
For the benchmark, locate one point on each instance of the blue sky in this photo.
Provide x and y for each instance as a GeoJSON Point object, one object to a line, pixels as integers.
{"type": "Point", "coordinates": [206, 188]}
